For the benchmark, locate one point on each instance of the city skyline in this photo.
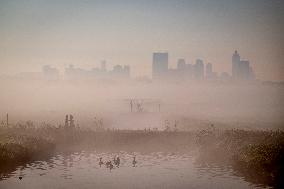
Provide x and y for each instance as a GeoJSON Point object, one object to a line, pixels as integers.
{"type": "Point", "coordinates": [155, 94]}
{"type": "Point", "coordinates": [59, 33]}
{"type": "Point", "coordinates": [241, 70]}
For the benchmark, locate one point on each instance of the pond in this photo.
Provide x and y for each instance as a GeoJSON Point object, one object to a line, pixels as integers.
{"type": "Point", "coordinates": [152, 170]}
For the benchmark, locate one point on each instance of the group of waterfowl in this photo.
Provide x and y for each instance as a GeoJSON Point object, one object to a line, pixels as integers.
{"type": "Point", "coordinates": [116, 162]}
{"type": "Point", "coordinates": [109, 165]}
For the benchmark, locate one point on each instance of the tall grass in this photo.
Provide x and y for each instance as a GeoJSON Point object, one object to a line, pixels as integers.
{"type": "Point", "coordinates": [255, 155]}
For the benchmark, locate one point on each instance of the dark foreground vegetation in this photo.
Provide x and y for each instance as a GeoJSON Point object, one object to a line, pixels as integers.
{"type": "Point", "coordinates": [257, 156]}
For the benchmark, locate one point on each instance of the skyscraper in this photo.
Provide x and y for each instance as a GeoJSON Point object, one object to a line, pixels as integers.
{"type": "Point", "coordinates": [199, 69]}
{"type": "Point", "coordinates": [209, 72]}
{"type": "Point", "coordinates": [159, 65]}
{"type": "Point", "coordinates": [236, 65]}
{"type": "Point", "coordinates": [181, 69]}
{"type": "Point", "coordinates": [241, 69]}
{"type": "Point", "coordinates": [181, 64]}
{"type": "Point", "coordinates": [244, 69]}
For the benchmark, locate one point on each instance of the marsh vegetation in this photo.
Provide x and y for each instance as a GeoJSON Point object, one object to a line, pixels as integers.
{"type": "Point", "coordinates": [255, 155]}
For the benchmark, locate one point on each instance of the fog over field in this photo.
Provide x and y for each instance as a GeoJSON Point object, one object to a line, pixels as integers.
{"type": "Point", "coordinates": [141, 94]}
{"type": "Point", "coordinates": [191, 105]}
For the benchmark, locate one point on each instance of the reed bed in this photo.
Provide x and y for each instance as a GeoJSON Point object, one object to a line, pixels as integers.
{"type": "Point", "coordinates": [255, 155]}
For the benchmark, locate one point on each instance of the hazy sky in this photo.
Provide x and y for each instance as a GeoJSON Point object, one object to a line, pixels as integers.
{"type": "Point", "coordinates": [61, 32]}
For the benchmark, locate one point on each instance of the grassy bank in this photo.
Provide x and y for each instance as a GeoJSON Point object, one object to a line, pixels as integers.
{"type": "Point", "coordinates": [115, 140]}
{"type": "Point", "coordinates": [255, 155]}
{"type": "Point", "coordinates": [18, 149]}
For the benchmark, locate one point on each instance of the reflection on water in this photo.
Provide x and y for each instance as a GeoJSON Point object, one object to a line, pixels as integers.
{"type": "Point", "coordinates": [155, 170]}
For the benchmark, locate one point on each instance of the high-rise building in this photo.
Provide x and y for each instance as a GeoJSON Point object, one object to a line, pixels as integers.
{"type": "Point", "coordinates": [209, 71]}
{"type": "Point", "coordinates": [159, 65]}
{"type": "Point", "coordinates": [241, 69]}
{"type": "Point", "coordinates": [181, 64]}
{"type": "Point", "coordinates": [199, 69]}
{"type": "Point", "coordinates": [236, 65]}
{"type": "Point", "coordinates": [244, 69]}
{"type": "Point", "coordinates": [181, 69]}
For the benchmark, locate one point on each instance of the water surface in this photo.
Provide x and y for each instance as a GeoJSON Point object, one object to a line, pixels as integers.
{"type": "Point", "coordinates": [153, 170]}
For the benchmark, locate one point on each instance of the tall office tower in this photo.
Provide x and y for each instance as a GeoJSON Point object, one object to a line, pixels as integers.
{"type": "Point", "coordinates": [236, 59]}
{"type": "Point", "coordinates": [181, 64]}
{"type": "Point", "coordinates": [244, 69]}
{"type": "Point", "coordinates": [181, 69]}
{"type": "Point", "coordinates": [241, 69]}
{"type": "Point", "coordinates": [199, 69]}
{"type": "Point", "coordinates": [159, 65]}
{"type": "Point", "coordinates": [209, 72]}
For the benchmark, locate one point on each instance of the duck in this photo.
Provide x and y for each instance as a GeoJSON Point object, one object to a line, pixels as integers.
{"type": "Point", "coordinates": [101, 162]}
{"type": "Point", "coordinates": [134, 162]}
{"type": "Point", "coordinates": [110, 166]}
{"type": "Point", "coordinates": [114, 160]}
{"type": "Point", "coordinates": [117, 161]}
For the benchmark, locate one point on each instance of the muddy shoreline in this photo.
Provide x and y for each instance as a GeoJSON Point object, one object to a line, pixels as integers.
{"type": "Point", "coordinates": [255, 155]}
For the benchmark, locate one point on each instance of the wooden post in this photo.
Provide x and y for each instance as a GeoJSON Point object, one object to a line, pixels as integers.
{"type": "Point", "coordinates": [7, 119]}
{"type": "Point", "coordinates": [66, 121]}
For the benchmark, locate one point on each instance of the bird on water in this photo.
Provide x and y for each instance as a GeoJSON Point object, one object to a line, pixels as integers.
{"type": "Point", "coordinates": [134, 162]}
